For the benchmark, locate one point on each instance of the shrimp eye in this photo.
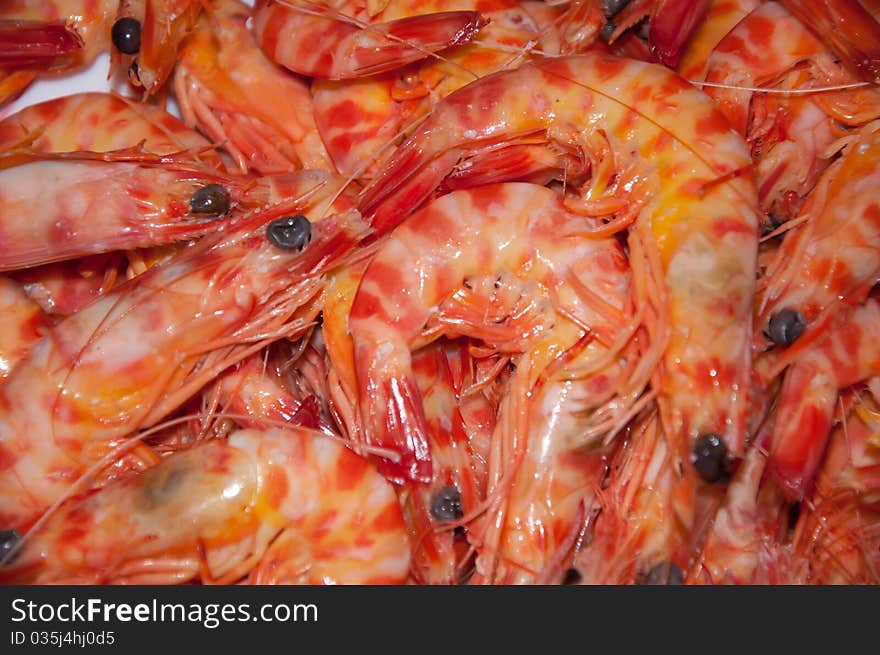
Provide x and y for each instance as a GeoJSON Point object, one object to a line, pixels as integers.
{"type": "Point", "coordinates": [126, 35]}
{"type": "Point", "coordinates": [785, 327]}
{"type": "Point", "coordinates": [290, 232]}
{"type": "Point", "coordinates": [572, 576]}
{"type": "Point", "coordinates": [446, 504]}
{"type": "Point", "coordinates": [9, 540]}
{"type": "Point", "coordinates": [607, 30]}
{"type": "Point", "coordinates": [210, 199]}
{"type": "Point", "coordinates": [709, 458]}
{"type": "Point", "coordinates": [663, 574]}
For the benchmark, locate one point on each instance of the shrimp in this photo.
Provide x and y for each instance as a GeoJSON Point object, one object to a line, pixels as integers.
{"type": "Point", "coordinates": [106, 371]}
{"type": "Point", "coordinates": [96, 204]}
{"type": "Point", "coordinates": [225, 86]}
{"type": "Point", "coordinates": [846, 354]}
{"type": "Point", "coordinates": [22, 323]}
{"type": "Point", "coordinates": [268, 506]}
{"type": "Point", "coordinates": [334, 45]}
{"type": "Point", "coordinates": [67, 33]}
{"type": "Point", "coordinates": [500, 259]}
{"type": "Point", "coordinates": [163, 25]}
{"type": "Point", "coordinates": [358, 117]}
{"type": "Point", "coordinates": [683, 183]}
{"type": "Point", "coordinates": [789, 135]}
{"type": "Point", "coordinates": [458, 485]}
{"type": "Point", "coordinates": [831, 259]}
{"type": "Point", "coordinates": [101, 122]}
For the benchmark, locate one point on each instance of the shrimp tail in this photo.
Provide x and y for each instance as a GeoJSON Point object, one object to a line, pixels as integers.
{"type": "Point", "coordinates": [850, 31]}
{"type": "Point", "coordinates": [37, 45]}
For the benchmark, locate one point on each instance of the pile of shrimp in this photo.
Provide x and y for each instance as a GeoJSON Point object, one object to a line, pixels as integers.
{"type": "Point", "coordinates": [441, 292]}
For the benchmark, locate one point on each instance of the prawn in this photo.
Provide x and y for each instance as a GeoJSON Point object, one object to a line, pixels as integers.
{"type": "Point", "coordinates": [846, 354]}
{"type": "Point", "coordinates": [357, 117]}
{"type": "Point", "coordinates": [99, 202]}
{"type": "Point", "coordinates": [789, 135]}
{"type": "Point", "coordinates": [682, 183]}
{"type": "Point", "coordinates": [224, 85]}
{"type": "Point", "coordinates": [288, 506]}
{"type": "Point", "coordinates": [830, 260]}
{"type": "Point", "coordinates": [331, 44]}
{"type": "Point", "coordinates": [106, 370]}
{"type": "Point", "coordinates": [500, 259]}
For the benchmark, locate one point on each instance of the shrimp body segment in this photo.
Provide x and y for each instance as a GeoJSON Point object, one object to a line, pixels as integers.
{"type": "Point", "coordinates": [692, 195]}
{"type": "Point", "coordinates": [310, 39]}
{"type": "Point", "coordinates": [303, 506]}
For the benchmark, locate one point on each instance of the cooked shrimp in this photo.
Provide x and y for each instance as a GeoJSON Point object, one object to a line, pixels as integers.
{"type": "Point", "coordinates": [22, 323]}
{"type": "Point", "coordinates": [846, 354]}
{"type": "Point", "coordinates": [789, 134]}
{"type": "Point", "coordinates": [316, 39]}
{"type": "Point", "coordinates": [357, 118]}
{"type": "Point", "coordinates": [495, 263]}
{"type": "Point", "coordinates": [162, 26]}
{"type": "Point", "coordinates": [101, 202]}
{"type": "Point", "coordinates": [228, 88]}
{"type": "Point", "coordinates": [107, 370]}
{"type": "Point", "coordinates": [275, 506]}
{"type": "Point", "coordinates": [829, 261]}
{"type": "Point", "coordinates": [101, 122]}
{"type": "Point", "coordinates": [683, 182]}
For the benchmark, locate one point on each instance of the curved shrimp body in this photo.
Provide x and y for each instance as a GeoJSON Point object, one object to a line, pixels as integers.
{"type": "Point", "coordinates": [101, 122]}
{"type": "Point", "coordinates": [832, 260]}
{"type": "Point", "coordinates": [225, 86]}
{"type": "Point", "coordinates": [694, 201]}
{"type": "Point", "coordinates": [22, 323]}
{"type": "Point", "coordinates": [106, 371]}
{"type": "Point", "coordinates": [335, 46]}
{"type": "Point", "coordinates": [484, 263]}
{"type": "Point", "coordinates": [301, 505]}
{"type": "Point", "coordinates": [357, 118]}
{"type": "Point", "coordinates": [789, 135]}
{"type": "Point", "coordinates": [96, 205]}
{"type": "Point", "coordinates": [848, 353]}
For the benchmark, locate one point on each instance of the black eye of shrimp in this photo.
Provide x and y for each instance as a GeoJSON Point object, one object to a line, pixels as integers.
{"type": "Point", "coordinates": [572, 576]}
{"type": "Point", "coordinates": [126, 35]}
{"type": "Point", "coordinates": [785, 326]}
{"type": "Point", "coordinates": [290, 232]}
{"type": "Point", "coordinates": [709, 458]}
{"type": "Point", "coordinates": [210, 199]}
{"type": "Point", "coordinates": [9, 540]}
{"type": "Point", "coordinates": [446, 504]}
{"type": "Point", "coordinates": [663, 574]}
